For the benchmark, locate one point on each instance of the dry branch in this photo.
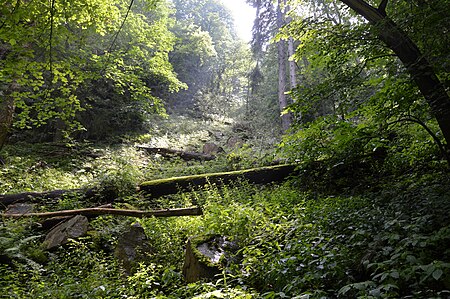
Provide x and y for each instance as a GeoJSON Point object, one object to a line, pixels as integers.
{"type": "Point", "coordinates": [193, 211]}
{"type": "Point", "coordinates": [187, 156]}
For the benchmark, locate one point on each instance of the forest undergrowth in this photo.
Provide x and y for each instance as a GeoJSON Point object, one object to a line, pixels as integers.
{"type": "Point", "coordinates": [318, 235]}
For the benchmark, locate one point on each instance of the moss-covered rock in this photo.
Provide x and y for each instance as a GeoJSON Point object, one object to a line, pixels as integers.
{"type": "Point", "coordinates": [206, 256]}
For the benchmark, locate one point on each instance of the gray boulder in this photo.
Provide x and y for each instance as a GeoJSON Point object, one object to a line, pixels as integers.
{"type": "Point", "coordinates": [73, 228]}
{"type": "Point", "coordinates": [132, 248]}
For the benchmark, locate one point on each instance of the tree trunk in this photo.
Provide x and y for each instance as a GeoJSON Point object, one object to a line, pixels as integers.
{"type": "Point", "coordinates": [282, 99]}
{"type": "Point", "coordinates": [105, 194]}
{"type": "Point", "coordinates": [261, 175]}
{"type": "Point", "coordinates": [292, 64]}
{"type": "Point", "coordinates": [416, 64]}
{"type": "Point", "coordinates": [291, 52]}
{"type": "Point", "coordinates": [6, 112]}
{"type": "Point", "coordinates": [159, 187]}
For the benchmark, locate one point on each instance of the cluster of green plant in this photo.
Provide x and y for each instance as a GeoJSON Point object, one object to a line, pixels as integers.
{"type": "Point", "coordinates": [210, 58]}
{"type": "Point", "coordinates": [44, 167]}
{"type": "Point", "coordinates": [356, 97]}
{"type": "Point", "coordinates": [62, 64]}
{"type": "Point", "coordinates": [387, 242]}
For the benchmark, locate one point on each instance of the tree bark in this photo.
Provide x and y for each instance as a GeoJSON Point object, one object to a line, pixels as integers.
{"type": "Point", "coordinates": [282, 59]}
{"type": "Point", "coordinates": [292, 64]}
{"type": "Point", "coordinates": [193, 211]}
{"type": "Point", "coordinates": [7, 199]}
{"type": "Point", "coordinates": [161, 187]}
{"type": "Point", "coordinates": [256, 175]}
{"type": "Point", "coordinates": [6, 112]}
{"type": "Point", "coordinates": [291, 52]}
{"type": "Point", "coordinates": [416, 64]}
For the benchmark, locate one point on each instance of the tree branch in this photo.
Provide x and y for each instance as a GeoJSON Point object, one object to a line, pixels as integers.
{"type": "Point", "coordinates": [414, 119]}
{"type": "Point", "coordinates": [382, 7]}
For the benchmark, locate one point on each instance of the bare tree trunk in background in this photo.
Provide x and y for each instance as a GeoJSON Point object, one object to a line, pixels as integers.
{"type": "Point", "coordinates": [282, 58]}
{"type": "Point", "coordinates": [291, 52]}
{"type": "Point", "coordinates": [292, 64]}
{"type": "Point", "coordinates": [7, 112]}
{"type": "Point", "coordinates": [409, 54]}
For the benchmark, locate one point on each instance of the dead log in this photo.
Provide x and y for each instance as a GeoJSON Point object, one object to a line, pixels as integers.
{"type": "Point", "coordinates": [107, 194]}
{"type": "Point", "coordinates": [169, 153]}
{"type": "Point", "coordinates": [261, 175]}
{"type": "Point", "coordinates": [7, 199]}
{"type": "Point", "coordinates": [193, 211]}
{"type": "Point", "coordinates": [160, 187]}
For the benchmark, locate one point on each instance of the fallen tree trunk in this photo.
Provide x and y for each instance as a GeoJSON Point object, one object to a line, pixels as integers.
{"type": "Point", "coordinates": [7, 199]}
{"type": "Point", "coordinates": [261, 175]}
{"type": "Point", "coordinates": [105, 193]}
{"type": "Point", "coordinates": [193, 211]}
{"type": "Point", "coordinates": [169, 153]}
{"type": "Point", "coordinates": [160, 187]}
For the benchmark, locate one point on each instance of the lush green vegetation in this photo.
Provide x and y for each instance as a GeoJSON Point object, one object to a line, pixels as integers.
{"type": "Point", "coordinates": [367, 214]}
{"type": "Point", "coordinates": [323, 234]}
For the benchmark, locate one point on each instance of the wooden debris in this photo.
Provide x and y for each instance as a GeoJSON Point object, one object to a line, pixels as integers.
{"type": "Point", "coordinates": [261, 175]}
{"type": "Point", "coordinates": [192, 211]}
{"type": "Point", "coordinates": [48, 223]}
{"type": "Point", "coordinates": [104, 193]}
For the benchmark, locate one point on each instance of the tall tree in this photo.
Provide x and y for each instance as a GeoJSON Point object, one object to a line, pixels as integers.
{"type": "Point", "coordinates": [421, 71]}
{"type": "Point", "coordinates": [64, 56]}
{"type": "Point", "coordinates": [282, 73]}
{"type": "Point", "coordinates": [291, 53]}
{"type": "Point", "coordinates": [209, 58]}
{"type": "Point", "coordinates": [6, 112]}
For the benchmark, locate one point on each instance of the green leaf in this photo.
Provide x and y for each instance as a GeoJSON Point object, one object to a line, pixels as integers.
{"type": "Point", "coordinates": [437, 274]}
{"type": "Point", "coordinates": [344, 289]}
{"type": "Point", "coordinates": [394, 274]}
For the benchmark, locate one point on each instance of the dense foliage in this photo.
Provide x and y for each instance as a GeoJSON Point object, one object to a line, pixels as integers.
{"type": "Point", "coordinates": [67, 58]}
{"type": "Point", "coordinates": [366, 215]}
{"type": "Point", "coordinates": [387, 240]}
{"type": "Point", "coordinates": [210, 58]}
{"type": "Point", "coordinates": [355, 95]}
